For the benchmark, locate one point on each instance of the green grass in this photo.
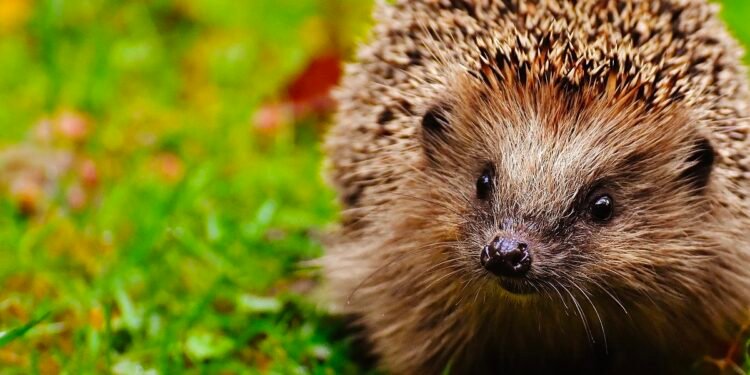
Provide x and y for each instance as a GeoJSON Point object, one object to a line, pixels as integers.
{"type": "Point", "coordinates": [147, 222]}
{"type": "Point", "coordinates": [183, 252]}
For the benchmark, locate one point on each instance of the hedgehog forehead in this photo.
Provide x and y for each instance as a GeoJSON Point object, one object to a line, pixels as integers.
{"type": "Point", "coordinates": [548, 123]}
{"type": "Point", "coordinates": [546, 144]}
{"type": "Point", "coordinates": [542, 182]}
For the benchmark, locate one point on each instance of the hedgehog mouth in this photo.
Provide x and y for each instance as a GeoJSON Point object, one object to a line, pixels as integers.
{"type": "Point", "coordinates": [517, 286]}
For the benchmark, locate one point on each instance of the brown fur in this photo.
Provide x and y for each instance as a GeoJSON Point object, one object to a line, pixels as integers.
{"type": "Point", "coordinates": [560, 97]}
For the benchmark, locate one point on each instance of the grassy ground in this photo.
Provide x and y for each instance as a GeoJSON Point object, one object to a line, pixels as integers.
{"type": "Point", "coordinates": [159, 184]}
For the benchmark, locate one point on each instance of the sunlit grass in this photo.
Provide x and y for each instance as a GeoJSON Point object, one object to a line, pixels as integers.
{"type": "Point", "coordinates": [157, 190]}
{"type": "Point", "coordinates": [144, 209]}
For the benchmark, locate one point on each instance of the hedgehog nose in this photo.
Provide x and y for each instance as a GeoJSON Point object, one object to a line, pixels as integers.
{"type": "Point", "coordinates": [506, 257]}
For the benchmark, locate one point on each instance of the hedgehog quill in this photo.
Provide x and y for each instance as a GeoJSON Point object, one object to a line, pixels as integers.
{"type": "Point", "coordinates": [543, 185]}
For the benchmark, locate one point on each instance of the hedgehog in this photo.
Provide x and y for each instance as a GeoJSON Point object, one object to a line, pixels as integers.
{"type": "Point", "coordinates": [529, 186]}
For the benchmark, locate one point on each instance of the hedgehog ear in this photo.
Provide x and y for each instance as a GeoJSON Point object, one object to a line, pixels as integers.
{"type": "Point", "coordinates": [701, 162]}
{"type": "Point", "coordinates": [435, 126]}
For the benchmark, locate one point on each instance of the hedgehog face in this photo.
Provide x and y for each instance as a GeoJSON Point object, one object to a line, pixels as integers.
{"type": "Point", "coordinates": [567, 189]}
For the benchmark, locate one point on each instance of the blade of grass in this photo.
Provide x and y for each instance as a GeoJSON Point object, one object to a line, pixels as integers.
{"type": "Point", "coordinates": [18, 332]}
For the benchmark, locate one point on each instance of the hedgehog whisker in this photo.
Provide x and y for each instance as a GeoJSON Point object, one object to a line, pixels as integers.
{"type": "Point", "coordinates": [552, 284]}
{"type": "Point", "coordinates": [547, 294]}
{"type": "Point", "coordinates": [451, 263]}
{"type": "Point", "coordinates": [596, 312]}
{"type": "Point", "coordinates": [416, 250]}
{"type": "Point", "coordinates": [612, 296]}
{"type": "Point", "coordinates": [475, 276]}
{"type": "Point", "coordinates": [581, 314]}
{"type": "Point", "coordinates": [366, 279]}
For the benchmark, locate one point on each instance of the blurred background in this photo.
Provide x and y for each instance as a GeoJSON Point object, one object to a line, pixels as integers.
{"type": "Point", "coordinates": [160, 183]}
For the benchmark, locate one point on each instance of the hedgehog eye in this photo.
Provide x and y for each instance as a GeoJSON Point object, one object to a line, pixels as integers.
{"type": "Point", "coordinates": [484, 184]}
{"type": "Point", "coordinates": [602, 207]}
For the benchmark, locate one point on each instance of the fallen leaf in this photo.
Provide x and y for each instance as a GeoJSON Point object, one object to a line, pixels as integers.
{"type": "Point", "coordinates": [169, 166]}
{"type": "Point", "coordinates": [310, 92]}
{"type": "Point", "coordinates": [271, 119]}
{"type": "Point", "coordinates": [72, 126]}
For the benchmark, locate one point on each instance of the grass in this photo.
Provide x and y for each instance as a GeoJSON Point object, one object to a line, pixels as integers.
{"type": "Point", "coordinates": [160, 184]}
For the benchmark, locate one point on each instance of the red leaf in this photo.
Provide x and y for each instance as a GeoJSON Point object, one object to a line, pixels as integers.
{"type": "Point", "coordinates": [310, 91]}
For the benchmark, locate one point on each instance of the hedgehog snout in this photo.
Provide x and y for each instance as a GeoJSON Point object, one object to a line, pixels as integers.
{"type": "Point", "coordinates": [506, 256]}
